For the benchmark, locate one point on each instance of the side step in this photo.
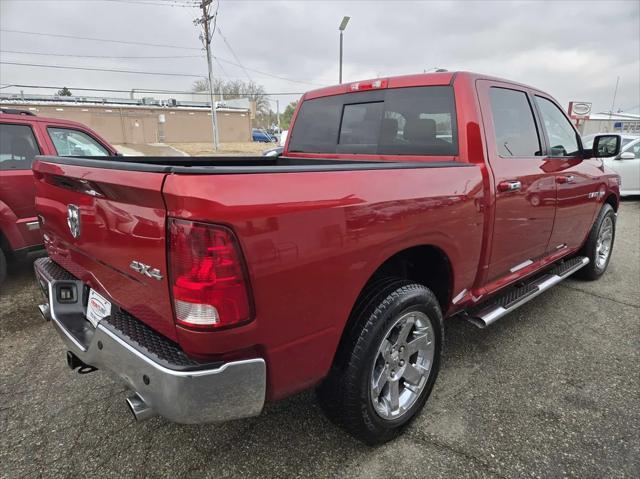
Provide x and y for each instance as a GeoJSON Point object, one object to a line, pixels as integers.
{"type": "Point", "coordinates": [486, 315]}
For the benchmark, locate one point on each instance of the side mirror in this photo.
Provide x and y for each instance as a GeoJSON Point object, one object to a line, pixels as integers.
{"type": "Point", "coordinates": [627, 155]}
{"type": "Point", "coordinates": [606, 146]}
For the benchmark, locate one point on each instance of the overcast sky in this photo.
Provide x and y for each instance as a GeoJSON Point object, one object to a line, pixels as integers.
{"type": "Point", "coordinates": [572, 49]}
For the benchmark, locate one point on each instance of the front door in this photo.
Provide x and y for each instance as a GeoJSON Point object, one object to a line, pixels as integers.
{"type": "Point", "coordinates": [525, 194]}
{"type": "Point", "coordinates": [578, 179]}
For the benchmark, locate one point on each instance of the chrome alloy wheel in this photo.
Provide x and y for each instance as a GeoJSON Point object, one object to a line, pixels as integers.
{"type": "Point", "coordinates": [604, 242]}
{"type": "Point", "coordinates": [402, 365]}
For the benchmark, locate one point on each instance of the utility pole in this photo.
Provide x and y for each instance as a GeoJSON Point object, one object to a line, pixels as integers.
{"type": "Point", "coordinates": [278, 115]}
{"type": "Point", "coordinates": [206, 37]}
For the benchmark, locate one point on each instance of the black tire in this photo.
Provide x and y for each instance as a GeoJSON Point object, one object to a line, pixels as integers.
{"type": "Point", "coordinates": [3, 266]}
{"type": "Point", "coordinates": [593, 270]}
{"type": "Point", "coordinates": [345, 393]}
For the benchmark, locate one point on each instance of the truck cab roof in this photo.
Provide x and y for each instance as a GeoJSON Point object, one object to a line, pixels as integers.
{"type": "Point", "coordinates": [401, 81]}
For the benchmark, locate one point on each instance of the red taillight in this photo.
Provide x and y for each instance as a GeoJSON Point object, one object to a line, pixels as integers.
{"type": "Point", "coordinates": [210, 289]}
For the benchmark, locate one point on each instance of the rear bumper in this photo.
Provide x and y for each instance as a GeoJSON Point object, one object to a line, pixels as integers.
{"type": "Point", "coordinates": [156, 369]}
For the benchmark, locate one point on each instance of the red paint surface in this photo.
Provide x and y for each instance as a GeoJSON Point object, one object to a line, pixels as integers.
{"type": "Point", "coordinates": [311, 240]}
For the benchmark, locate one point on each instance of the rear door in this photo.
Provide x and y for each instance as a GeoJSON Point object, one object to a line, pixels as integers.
{"type": "Point", "coordinates": [525, 194]}
{"type": "Point", "coordinates": [578, 180]}
{"type": "Point", "coordinates": [18, 148]}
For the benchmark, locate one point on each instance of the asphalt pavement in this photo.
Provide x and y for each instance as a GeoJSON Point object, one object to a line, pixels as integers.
{"type": "Point", "coordinates": [552, 390]}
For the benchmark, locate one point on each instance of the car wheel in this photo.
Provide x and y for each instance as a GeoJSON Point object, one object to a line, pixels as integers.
{"type": "Point", "coordinates": [599, 244]}
{"type": "Point", "coordinates": [3, 266]}
{"type": "Point", "coordinates": [388, 362]}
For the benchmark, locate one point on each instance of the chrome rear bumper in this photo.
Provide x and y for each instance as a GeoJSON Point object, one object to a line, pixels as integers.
{"type": "Point", "coordinates": [156, 369]}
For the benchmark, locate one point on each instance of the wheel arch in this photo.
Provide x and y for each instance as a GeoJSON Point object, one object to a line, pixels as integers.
{"type": "Point", "coordinates": [425, 264]}
{"type": "Point", "coordinates": [428, 265]}
{"type": "Point", "coordinates": [612, 200]}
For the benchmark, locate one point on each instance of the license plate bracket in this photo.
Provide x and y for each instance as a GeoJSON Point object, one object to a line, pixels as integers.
{"type": "Point", "coordinates": [98, 307]}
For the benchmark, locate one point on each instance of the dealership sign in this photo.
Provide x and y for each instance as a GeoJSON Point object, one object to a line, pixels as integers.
{"type": "Point", "coordinates": [579, 109]}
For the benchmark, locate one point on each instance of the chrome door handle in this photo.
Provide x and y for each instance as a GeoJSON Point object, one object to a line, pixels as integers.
{"type": "Point", "coordinates": [565, 179]}
{"type": "Point", "coordinates": [509, 185]}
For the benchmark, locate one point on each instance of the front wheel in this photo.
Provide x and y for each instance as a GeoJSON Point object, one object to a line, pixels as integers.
{"type": "Point", "coordinates": [389, 364]}
{"type": "Point", "coordinates": [599, 244]}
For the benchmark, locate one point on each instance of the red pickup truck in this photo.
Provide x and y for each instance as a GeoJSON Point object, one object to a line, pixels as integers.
{"type": "Point", "coordinates": [212, 285]}
{"type": "Point", "coordinates": [23, 136]}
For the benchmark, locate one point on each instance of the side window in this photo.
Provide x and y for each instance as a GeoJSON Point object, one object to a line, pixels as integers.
{"type": "Point", "coordinates": [513, 123]}
{"type": "Point", "coordinates": [75, 143]}
{"type": "Point", "coordinates": [562, 137]}
{"type": "Point", "coordinates": [635, 149]}
{"type": "Point", "coordinates": [18, 147]}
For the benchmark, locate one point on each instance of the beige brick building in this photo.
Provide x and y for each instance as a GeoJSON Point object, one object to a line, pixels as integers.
{"type": "Point", "coordinates": [139, 124]}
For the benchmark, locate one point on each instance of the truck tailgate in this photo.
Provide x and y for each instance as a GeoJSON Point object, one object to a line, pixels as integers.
{"type": "Point", "coordinates": [122, 219]}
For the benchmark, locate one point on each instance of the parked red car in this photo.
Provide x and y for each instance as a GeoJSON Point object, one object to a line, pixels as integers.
{"type": "Point", "coordinates": [23, 136]}
{"type": "Point", "coordinates": [212, 285]}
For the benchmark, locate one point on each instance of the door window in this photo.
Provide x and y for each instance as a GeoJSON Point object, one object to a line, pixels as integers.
{"type": "Point", "coordinates": [18, 147]}
{"type": "Point", "coordinates": [513, 123]}
{"type": "Point", "coordinates": [75, 143]}
{"type": "Point", "coordinates": [563, 139]}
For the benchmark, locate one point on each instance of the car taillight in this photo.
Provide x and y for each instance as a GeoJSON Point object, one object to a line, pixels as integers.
{"type": "Point", "coordinates": [210, 289]}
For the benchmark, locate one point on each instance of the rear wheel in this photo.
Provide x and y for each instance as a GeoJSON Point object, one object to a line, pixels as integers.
{"type": "Point", "coordinates": [3, 266]}
{"type": "Point", "coordinates": [599, 244]}
{"type": "Point", "coordinates": [389, 362]}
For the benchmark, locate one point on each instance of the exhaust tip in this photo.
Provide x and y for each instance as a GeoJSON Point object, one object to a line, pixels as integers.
{"type": "Point", "coordinates": [139, 409]}
{"type": "Point", "coordinates": [478, 322]}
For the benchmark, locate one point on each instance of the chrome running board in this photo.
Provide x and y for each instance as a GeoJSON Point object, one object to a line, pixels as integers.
{"type": "Point", "coordinates": [484, 316]}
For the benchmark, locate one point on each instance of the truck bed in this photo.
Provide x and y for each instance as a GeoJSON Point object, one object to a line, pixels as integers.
{"type": "Point", "coordinates": [310, 238]}
{"type": "Point", "coordinates": [220, 165]}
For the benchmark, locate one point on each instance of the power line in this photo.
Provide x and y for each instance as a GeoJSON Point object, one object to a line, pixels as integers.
{"type": "Point", "coordinates": [70, 55]}
{"type": "Point", "coordinates": [111, 70]}
{"type": "Point", "coordinates": [64, 67]}
{"type": "Point", "coordinates": [237, 63]}
{"type": "Point", "coordinates": [142, 90]}
{"type": "Point", "coordinates": [56, 35]}
{"type": "Point", "coordinates": [234, 54]}
{"type": "Point", "coordinates": [162, 3]}
{"type": "Point", "coordinates": [156, 3]}
{"type": "Point", "coordinates": [269, 74]}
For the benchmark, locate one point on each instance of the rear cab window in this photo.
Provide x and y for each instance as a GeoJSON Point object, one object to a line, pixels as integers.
{"type": "Point", "coordinates": [18, 147]}
{"type": "Point", "coordinates": [401, 121]}
{"type": "Point", "coordinates": [70, 142]}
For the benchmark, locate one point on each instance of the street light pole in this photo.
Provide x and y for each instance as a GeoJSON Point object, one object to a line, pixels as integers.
{"type": "Point", "coordinates": [342, 26]}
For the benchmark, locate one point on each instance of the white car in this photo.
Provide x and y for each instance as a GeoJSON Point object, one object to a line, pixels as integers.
{"type": "Point", "coordinates": [626, 164]}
